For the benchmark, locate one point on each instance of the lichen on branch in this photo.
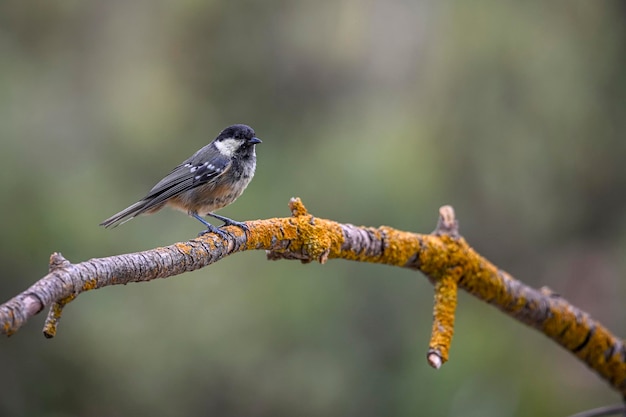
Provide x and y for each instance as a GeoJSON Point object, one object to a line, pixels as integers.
{"type": "Point", "coordinates": [443, 256]}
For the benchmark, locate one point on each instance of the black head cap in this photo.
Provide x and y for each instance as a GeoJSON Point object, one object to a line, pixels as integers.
{"type": "Point", "coordinates": [239, 132]}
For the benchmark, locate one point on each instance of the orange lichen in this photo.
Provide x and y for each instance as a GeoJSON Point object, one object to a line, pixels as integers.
{"type": "Point", "coordinates": [319, 242]}
{"type": "Point", "coordinates": [400, 246]}
{"type": "Point", "coordinates": [313, 238]}
{"type": "Point", "coordinates": [7, 328]}
{"type": "Point", "coordinates": [317, 239]}
{"type": "Point", "coordinates": [56, 310]}
{"type": "Point", "coordinates": [297, 207]}
{"type": "Point", "coordinates": [91, 284]}
{"type": "Point", "coordinates": [443, 256]}
{"type": "Point", "coordinates": [449, 262]}
{"type": "Point", "coordinates": [443, 314]}
{"type": "Point", "coordinates": [184, 248]}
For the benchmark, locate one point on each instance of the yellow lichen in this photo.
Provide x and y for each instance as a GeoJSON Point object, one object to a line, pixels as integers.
{"type": "Point", "coordinates": [91, 284]}
{"type": "Point", "coordinates": [297, 207]}
{"type": "Point", "coordinates": [443, 313]}
{"type": "Point", "coordinates": [184, 248]}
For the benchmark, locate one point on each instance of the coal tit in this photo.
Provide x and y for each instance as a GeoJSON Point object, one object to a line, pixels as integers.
{"type": "Point", "coordinates": [209, 180]}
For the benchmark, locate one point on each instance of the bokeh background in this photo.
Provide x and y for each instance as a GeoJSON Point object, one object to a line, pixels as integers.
{"type": "Point", "coordinates": [373, 112]}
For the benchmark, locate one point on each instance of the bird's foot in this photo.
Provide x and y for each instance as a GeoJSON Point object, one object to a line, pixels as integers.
{"type": "Point", "coordinates": [231, 222]}
{"type": "Point", "coordinates": [209, 227]}
{"type": "Point", "coordinates": [241, 225]}
{"type": "Point", "coordinates": [213, 229]}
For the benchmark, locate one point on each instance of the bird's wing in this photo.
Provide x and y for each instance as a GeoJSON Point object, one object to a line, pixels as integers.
{"type": "Point", "coordinates": [190, 174]}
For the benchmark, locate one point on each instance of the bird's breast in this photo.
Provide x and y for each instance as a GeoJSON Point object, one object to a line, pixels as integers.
{"type": "Point", "coordinates": [209, 197]}
{"type": "Point", "coordinates": [220, 192]}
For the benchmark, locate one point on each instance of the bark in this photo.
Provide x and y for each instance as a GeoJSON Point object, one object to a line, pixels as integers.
{"type": "Point", "coordinates": [443, 256]}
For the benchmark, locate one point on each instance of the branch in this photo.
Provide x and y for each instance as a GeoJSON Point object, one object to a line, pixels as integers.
{"type": "Point", "coordinates": [443, 256]}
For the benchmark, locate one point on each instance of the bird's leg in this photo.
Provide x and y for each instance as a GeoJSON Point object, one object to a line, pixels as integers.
{"type": "Point", "coordinates": [230, 222]}
{"type": "Point", "coordinates": [209, 227]}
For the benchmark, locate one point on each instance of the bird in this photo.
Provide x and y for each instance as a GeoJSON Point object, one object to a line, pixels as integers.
{"type": "Point", "coordinates": [211, 179]}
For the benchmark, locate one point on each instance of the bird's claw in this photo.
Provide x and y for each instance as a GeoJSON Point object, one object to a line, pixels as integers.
{"type": "Point", "coordinates": [213, 229]}
{"type": "Point", "coordinates": [230, 222]}
{"type": "Point", "coordinates": [241, 225]}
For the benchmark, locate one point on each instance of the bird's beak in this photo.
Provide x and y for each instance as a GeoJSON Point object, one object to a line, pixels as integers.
{"type": "Point", "coordinates": [254, 141]}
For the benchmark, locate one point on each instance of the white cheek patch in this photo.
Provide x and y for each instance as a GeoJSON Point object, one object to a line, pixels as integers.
{"type": "Point", "coordinates": [228, 147]}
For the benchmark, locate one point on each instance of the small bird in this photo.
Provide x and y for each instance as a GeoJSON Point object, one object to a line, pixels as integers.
{"type": "Point", "coordinates": [209, 180]}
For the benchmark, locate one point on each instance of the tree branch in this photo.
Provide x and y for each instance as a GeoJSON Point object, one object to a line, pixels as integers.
{"type": "Point", "coordinates": [443, 256]}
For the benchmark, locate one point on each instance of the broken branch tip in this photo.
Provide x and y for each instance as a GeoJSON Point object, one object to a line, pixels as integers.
{"type": "Point", "coordinates": [297, 207]}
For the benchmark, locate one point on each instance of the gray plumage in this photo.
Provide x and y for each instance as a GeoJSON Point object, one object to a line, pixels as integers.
{"type": "Point", "coordinates": [210, 179]}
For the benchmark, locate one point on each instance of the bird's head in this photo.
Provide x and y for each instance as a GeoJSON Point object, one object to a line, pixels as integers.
{"type": "Point", "coordinates": [236, 140]}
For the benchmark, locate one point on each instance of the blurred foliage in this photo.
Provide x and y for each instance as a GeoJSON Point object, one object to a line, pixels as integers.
{"type": "Point", "coordinates": [374, 112]}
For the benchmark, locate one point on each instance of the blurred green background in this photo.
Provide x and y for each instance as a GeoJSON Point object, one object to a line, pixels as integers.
{"type": "Point", "coordinates": [373, 112]}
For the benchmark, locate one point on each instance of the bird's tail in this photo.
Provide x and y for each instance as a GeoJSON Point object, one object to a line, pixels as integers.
{"type": "Point", "coordinates": [125, 215]}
